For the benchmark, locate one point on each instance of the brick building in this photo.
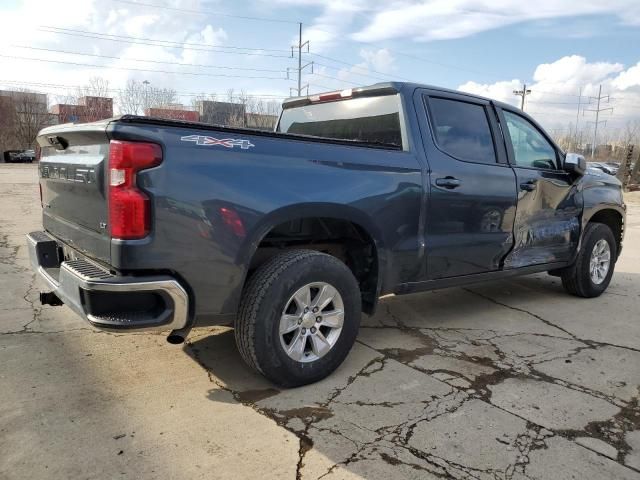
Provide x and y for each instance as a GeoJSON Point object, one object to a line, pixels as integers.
{"type": "Point", "coordinates": [261, 121]}
{"type": "Point", "coordinates": [22, 115]}
{"type": "Point", "coordinates": [88, 109]}
{"type": "Point", "coordinates": [175, 112]}
{"type": "Point", "coordinates": [221, 113]}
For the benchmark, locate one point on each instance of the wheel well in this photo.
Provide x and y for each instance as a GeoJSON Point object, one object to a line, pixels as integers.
{"type": "Point", "coordinates": [613, 220]}
{"type": "Point", "coordinates": [345, 240]}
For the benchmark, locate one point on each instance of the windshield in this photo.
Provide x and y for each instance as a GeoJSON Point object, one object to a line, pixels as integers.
{"type": "Point", "coordinates": [375, 120]}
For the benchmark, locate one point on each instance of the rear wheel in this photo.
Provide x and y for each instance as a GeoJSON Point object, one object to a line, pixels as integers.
{"type": "Point", "coordinates": [591, 273]}
{"type": "Point", "coordinates": [299, 317]}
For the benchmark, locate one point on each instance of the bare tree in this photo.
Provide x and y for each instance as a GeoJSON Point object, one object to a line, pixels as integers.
{"type": "Point", "coordinates": [237, 110]}
{"type": "Point", "coordinates": [262, 114]}
{"type": "Point", "coordinates": [95, 87]}
{"type": "Point", "coordinates": [630, 134]}
{"type": "Point", "coordinates": [27, 115]}
{"type": "Point", "coordinates": [137, 97]}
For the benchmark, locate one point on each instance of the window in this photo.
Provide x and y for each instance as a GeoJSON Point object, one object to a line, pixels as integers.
{"type": "Point", "coordinates": [370, 119]}
{"type": "Point", "coordinates": [462, 130]}
{"type": "Point", "coordinates": [530, 147]}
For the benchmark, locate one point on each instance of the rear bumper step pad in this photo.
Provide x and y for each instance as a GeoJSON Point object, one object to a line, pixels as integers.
{"type": "Point", "coordinates": [77, 282]}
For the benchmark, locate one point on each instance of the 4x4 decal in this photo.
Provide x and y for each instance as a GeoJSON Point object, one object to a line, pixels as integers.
{"type": "Point", "coordinates": [244, 144]}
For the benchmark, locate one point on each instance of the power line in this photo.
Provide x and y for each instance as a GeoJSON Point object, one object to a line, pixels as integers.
{"type": "Point", "coordinates": [324, 87]}
{"type": "Point", "coordinates": [444, 65]}
{"type": "Point", "coordinates": [553, 103]}
{"type": "Point", "coordinates": [351, 72]}
{"type": "Point", "coordinates": [354, 65]}
{"type": "Point", "coordinates": [181, 93]}
{"type": "Point", "coordinates": [205, 12]}
{"type": "Point", "coordinates": [164, 41]}
{"type": "Point", "coordinates": [149, 61]}
{"type": "Point", "coordinates": [134, 41]}
{"type": "Point", "coordinates": [595, 124]}
{"type": "Point", "coordinates": [266, 19]}
{"type": "Point", "coordinates": [15, 57]}
{"type": "Point", "coordinates": [337, 79]}
{"type": "Point", "coordinates": [556, 93]}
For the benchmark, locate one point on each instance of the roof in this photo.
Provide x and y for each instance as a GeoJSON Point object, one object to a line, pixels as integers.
{"type": "Point", "coordinates": [390, 88]}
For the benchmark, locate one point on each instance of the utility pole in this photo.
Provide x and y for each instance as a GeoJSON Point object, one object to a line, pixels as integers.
{"type": "Point", "coordinates": [301, 67]}
{"type": "Point", "coordinates": [578, 142]}
{"type": "Point", "coordinates": [522, 93]}
{"type": "Point", "coordinates": [599, 98]}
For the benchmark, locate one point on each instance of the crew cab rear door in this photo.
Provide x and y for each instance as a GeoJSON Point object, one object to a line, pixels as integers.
{"type": "Point", "coordinates": [547, 223]}
{"type": "Point", "coordinates": [472, 189]}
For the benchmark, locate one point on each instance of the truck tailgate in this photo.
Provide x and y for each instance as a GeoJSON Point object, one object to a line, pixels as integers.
{"type": "Point", "coordinates": [72, 172]}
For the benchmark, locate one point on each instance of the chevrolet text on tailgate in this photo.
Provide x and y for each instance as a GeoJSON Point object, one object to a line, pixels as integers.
{"type": "Point", "coordinates": [290, 235]}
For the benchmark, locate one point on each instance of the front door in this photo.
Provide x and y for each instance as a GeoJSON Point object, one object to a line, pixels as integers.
{"type": "Point", "coordinates": [472, 188]}
{"type": "Point", "coordinates": [547, 224]}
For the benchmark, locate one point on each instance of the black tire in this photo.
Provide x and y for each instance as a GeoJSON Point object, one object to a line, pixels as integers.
{"type": "Point", "coordinates": [576, 279]}
{"type": "Point", "coordinates": [263, 301]}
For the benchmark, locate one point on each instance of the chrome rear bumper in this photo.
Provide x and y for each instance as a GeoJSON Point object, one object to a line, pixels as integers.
{"type": "Point", "coordinates": [152, 302]}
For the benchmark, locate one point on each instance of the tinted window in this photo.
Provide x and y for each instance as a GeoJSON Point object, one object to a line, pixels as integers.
{"type": "Point", "coordinates": [370, 119]}
{"type": "Point", "coordinates": [530, 147]}
{"type": "Point", "coordinates": [462, 130]}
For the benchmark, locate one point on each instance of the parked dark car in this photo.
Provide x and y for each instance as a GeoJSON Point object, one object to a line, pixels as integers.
{"type": "Point", "coordinates": [394, 188]}
{"type": "Point", "coordinates": [604, 167]}
{"type": "Point", "coordinates": [19, 156]}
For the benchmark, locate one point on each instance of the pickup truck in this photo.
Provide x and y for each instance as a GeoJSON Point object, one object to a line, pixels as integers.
{"type": "Point", "coordinates": [290, 235]}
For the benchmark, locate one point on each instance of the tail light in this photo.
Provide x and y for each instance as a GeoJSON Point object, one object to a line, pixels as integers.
{"type": "Point", "coordinates": [129, 207]}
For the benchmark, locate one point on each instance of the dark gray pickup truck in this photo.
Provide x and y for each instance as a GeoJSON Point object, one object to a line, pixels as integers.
{"type": "Point", "coordinates": [290, 235]}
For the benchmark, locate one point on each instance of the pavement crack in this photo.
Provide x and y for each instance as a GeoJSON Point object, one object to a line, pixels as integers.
{"type": "Point", "coordinates": [522, 310]}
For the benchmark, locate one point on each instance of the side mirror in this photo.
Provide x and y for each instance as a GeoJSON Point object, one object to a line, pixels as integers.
{"type": "Point", "coordinates": [575, 163]}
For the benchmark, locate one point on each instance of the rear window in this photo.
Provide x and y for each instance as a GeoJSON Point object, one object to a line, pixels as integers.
{"type": "Point", "coordinates": [374, 120]}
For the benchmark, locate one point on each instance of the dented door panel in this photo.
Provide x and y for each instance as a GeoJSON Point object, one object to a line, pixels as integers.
{"type": "Point", "coordinates": [547, 225]}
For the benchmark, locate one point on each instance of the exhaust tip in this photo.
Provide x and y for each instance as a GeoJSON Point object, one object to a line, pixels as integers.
{"type": "Point", "coordinates": [175, 339]}
{"type": "Point", "coordinates": [50, 298]}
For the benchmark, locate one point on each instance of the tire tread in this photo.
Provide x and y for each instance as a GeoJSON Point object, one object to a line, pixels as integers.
{"type": "Point", "coordinates": [253, 295]}
{"type": "Point", "coordinates": [575, 279]}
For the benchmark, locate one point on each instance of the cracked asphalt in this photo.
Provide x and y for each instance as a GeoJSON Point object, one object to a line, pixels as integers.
{"type": "Point", "coordinates": [503, 380]}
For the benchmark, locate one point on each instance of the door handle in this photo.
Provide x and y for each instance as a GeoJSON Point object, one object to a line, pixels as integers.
{"type": "Point", "coordinates": [529, 186]}
{"type": "Point", "coordinates": [448, 182]}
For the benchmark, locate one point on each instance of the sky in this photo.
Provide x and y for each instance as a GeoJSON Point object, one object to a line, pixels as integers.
{"type": "Point", "coordinates": [563, 50]}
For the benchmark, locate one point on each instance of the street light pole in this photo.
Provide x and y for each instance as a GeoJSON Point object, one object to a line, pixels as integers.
{"type": "Point", "coordinates": [146, 84]}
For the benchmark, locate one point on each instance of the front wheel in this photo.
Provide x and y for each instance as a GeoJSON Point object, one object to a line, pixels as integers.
{"type": "Point", "coordinates": [591, 273]}
{"type": "Point", "coordinates": [299, 317]}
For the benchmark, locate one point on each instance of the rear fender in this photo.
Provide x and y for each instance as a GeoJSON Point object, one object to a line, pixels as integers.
{"type": "Point", "coordinates": [249, 247]}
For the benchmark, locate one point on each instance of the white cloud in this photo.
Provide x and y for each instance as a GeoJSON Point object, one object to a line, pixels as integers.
{"type": "Point", "coordinates": [627, 79]}
{"type": "Point", "coordinates": [375, 64]}
{"type": "Point", "coordinates": [381, 60]}
{"type": "Point", "coordinates": [326, 29]}
{"type": "Point", "coordinates": [576, 70]}
{"type": "Point", "coordinates": [502, 90]}
{"type": "Point", "coordinates": [121, 56]}
{"type": "Point", "coordinates": [448, 19]}
{"type": "Point", "coordinates": [556, 88]}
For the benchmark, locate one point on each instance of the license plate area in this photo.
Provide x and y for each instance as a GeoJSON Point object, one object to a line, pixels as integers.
{"type": "Point", "coordinates": [47, 251]}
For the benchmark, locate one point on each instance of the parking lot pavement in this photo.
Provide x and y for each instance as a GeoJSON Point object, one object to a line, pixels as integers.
{"type": "Point", "coordinates": [499, 380]}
